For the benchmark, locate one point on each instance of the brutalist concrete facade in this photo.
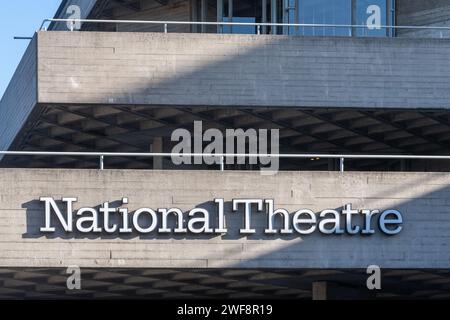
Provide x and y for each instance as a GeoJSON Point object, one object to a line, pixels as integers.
{"type": "Point", "coordinates": [102, 89]}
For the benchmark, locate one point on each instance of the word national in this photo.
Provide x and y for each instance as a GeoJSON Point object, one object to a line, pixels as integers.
{"type": "Point", "coordinates": [109, 219]}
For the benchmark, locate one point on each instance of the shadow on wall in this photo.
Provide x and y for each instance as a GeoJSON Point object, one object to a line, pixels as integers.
{"type": "Point", "coordinates": [426, 221]}
{"type": "Point", "coordinates": [249, 71]}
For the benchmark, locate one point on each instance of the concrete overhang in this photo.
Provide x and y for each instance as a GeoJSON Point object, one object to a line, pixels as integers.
{"type": "Point", "coordinates": [116, 91]}
{"type": "Point", "coordinates": [241, 70]}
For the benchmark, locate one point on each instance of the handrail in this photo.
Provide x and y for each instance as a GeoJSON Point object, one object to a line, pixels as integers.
{"type": "Point", "coordinates": [341, 157]}
{"type": "Point", "coordinates": [255, 24]}
{"type": "Point", "coordinates": [247, 155]}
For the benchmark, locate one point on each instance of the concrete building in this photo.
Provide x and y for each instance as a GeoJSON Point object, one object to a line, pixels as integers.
{"type": "Point", "coordinates": [335, 77]}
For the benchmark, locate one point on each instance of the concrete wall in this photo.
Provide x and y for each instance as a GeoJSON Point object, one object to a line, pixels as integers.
{"type": "Point", "coordinates": [423, 199]}
{"type": "Point", "coordinates": [242, 70]}
{"type": "Point", "coordinates": [423, 13]}
{"type": "Point", "coordinates": [19, 98]}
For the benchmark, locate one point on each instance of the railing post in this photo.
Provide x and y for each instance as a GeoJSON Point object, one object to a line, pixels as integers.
{"type": "Point", "coordinates": [222, 163]}
{"type": "Point", "coordinates": [258, 28]}
{"type": "Point", "coordinates": [165, 28]}
{"type": "Point", "coordinates": [102, 162]}
{"type": "Point", "coordinates": [72, 25]}
{"type": "Point", "coordinates": [341, 165]}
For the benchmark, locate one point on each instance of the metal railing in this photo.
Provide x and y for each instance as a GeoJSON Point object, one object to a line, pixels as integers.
{"type": "Point", "coordinates": [341, 157]}
{"type": "Point", "coordinates": [258, 25]}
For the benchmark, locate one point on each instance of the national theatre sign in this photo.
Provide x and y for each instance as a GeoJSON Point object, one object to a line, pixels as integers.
{"type": "Point", "coordinates": [108, 219]}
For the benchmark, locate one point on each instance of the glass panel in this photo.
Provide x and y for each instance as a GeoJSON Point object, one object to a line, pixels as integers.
{"type": "Point", "coordinates": [371, 13]}
{"type": "Point", "coordinates": [240, 29]}
{"type": "Point", "coordinates": [324, 12]}
{"type": "Point", "coordinates": [292, 15]}
{"type": "Point", "coordinates": [248, 11]}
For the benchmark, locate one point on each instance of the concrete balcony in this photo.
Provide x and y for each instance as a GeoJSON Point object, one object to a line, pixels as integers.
{"type": "Point", "coordinates": [114, 91]}
{"type": "Point", "coordinates": [241, 70]}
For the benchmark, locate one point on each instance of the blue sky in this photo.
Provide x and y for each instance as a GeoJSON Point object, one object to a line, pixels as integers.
{"type": "Point", "coordinates": [19, 18]}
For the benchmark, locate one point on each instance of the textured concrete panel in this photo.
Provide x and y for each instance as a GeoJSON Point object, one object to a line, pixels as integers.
{"type": "Point", "coordinates": [423, 199]}
{"type": "Point", "coordinates": [242, 70]}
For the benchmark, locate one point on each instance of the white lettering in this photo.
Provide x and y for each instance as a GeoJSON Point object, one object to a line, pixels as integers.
{"type": "Point", "coordinates": [198, 220]}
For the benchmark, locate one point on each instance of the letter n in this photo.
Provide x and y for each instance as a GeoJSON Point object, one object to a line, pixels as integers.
{"type": "Point", "coordinates": [51, 204]}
